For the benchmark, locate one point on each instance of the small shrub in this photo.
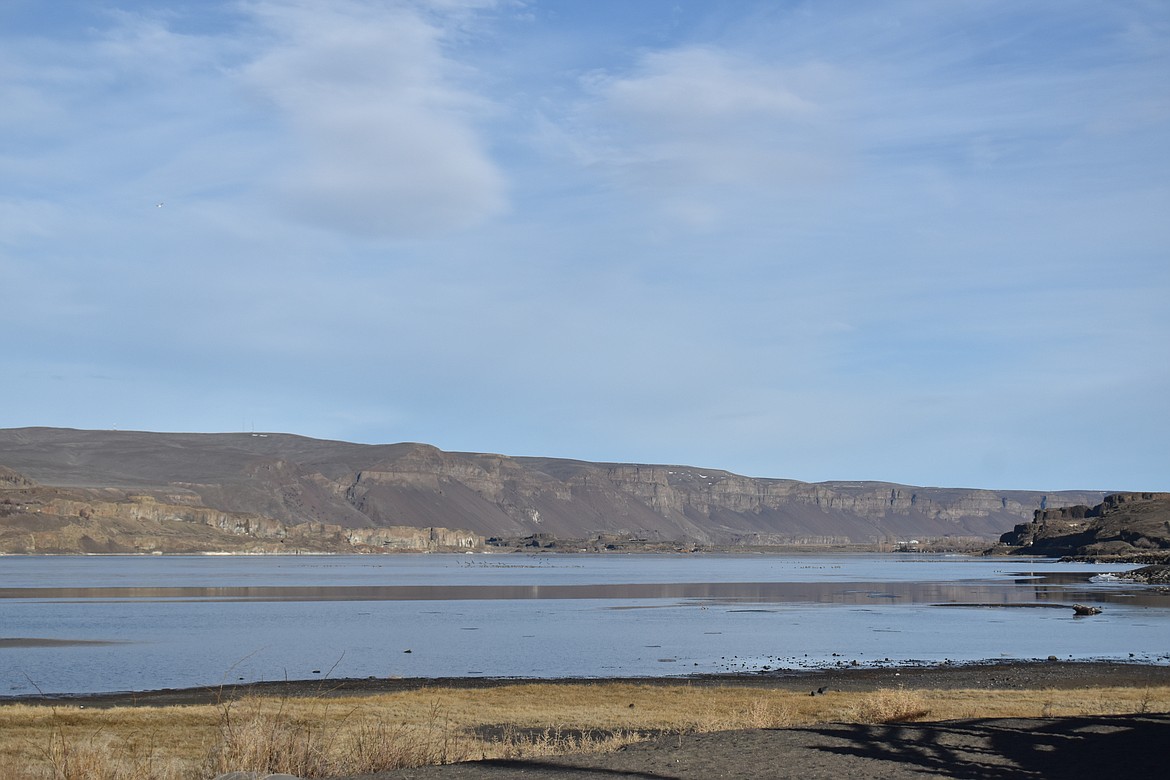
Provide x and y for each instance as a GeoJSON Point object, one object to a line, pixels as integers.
{"type": "Point", "coordinates": [889, 705]}
{"type": "Point", "coordinates": [764, 714]}
{"type": "Point", "coordinates": [255, 736]}
{"type": "Point", "coordinates": [100, 757]}
{"type": "Point", "coordinates": [373, 745]}
{"type": "Point", "coordinates": [516, 743]}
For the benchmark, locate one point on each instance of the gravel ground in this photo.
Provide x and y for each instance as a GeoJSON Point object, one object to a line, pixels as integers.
{"type": "Point", "coordinates": [1094, 748]}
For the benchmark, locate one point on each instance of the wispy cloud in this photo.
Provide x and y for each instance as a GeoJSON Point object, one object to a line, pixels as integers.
{"type": "Point", "coordinates": [691, 126]}
{"type": "Point", "coordinates": [384, 136]}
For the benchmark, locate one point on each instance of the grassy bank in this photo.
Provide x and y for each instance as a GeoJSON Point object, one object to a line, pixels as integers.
{"type": "Point", "coordinates": [319, 737]}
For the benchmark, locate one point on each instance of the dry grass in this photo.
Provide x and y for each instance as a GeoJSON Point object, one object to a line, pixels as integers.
{"type": "Point", "coordinates": [68, 743]}
{"type": "Point", "coordinates": [282, 735]}
{"type": "Point", "coordinates": [889, 705]}
{"type": "Point", "coordinates": [316, 737]}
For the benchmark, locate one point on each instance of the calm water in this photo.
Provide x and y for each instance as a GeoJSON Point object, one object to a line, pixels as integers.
{"type": "Point", "coordinates": [91, 624]}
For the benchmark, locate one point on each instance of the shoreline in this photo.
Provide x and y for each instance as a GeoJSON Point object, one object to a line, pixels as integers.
{"type": "Point", "coordinates": [977, 675]}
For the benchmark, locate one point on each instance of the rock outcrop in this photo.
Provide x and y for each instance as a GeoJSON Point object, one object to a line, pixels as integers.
{"type": "Point", "coordinates": [1156, 574]}
{"type": "Point", "coordinates": [1134, 526]}
{"type": "Point", "coordinates": [277, 488]}
{"type": "Point", "coordinates": [48, 520]}
{"type": "Point", "coordinates": [10, 479]}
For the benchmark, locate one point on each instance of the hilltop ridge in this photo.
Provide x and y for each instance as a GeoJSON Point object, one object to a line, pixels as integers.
{"type": "Point", "coordinates": [116, 491]}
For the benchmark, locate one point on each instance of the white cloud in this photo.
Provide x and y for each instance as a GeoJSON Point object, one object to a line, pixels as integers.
{"type": "Point", "coordinates": [699, 90]}
{"type": "Point", "coordinates": [694, 127]}
{"type": "Point", "coordinates": [385, 135]}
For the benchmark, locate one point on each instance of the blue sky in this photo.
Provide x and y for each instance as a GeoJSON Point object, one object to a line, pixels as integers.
{"type": "Point", "coordinates": [919, 241]}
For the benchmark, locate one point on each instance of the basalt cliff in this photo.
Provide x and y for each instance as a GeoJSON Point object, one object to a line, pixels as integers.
{"type": "Point", "coordinates": [1129, 526]}
{"type": "Point", "coordinates": [68, 491]}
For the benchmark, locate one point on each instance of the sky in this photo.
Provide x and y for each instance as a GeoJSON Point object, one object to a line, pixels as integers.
{"type": "Point", "coordinates": [917, 241]}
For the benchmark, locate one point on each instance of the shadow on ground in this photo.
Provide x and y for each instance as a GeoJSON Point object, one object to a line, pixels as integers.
{"type": "Point", "coordinates": [1093, 748]}
{"type": "Point", "coordinates": [1098, 747]}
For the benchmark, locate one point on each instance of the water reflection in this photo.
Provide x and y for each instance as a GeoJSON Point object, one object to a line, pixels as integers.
{"type": "Point", "coordinates": [1021, 590]}
{"type": "Point", "coordinates": [52, 642]}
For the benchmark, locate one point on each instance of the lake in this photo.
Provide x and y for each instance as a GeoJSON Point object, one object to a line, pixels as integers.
{"type": "Point", "coordinates": [93, 624]}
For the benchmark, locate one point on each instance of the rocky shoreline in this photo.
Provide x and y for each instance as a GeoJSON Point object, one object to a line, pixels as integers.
{"type": "Point", "coordinates": [1158, 574]}
{"type": "Point", "coordinates": [998, 675]}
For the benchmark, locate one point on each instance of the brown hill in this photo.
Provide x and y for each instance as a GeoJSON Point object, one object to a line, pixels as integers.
{"type": "Point", "coordinates": [1129, 525]}
{"type": "Point", "coordinates": [260, 491]}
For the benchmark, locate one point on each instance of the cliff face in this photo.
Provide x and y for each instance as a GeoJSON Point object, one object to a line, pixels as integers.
{"type": "Point", "coordinates": [40, 519]}
{"type": "Point", "coordinates": [1124, 524]}
{"type": "Point", "coordinates": [269, 485]}
{"type": "Point", "coordinates": [715, 506]}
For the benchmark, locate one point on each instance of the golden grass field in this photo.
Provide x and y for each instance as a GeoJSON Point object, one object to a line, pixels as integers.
{"type": "Point", "coordinates": [324, 736]}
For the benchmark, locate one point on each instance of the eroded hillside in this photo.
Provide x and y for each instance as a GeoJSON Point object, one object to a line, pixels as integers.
{"type": "Point", "coordinates": [270, 491]}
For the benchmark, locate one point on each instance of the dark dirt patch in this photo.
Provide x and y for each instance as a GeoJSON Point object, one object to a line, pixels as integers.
{"type": "Point", "coordinates": [1089, 748]}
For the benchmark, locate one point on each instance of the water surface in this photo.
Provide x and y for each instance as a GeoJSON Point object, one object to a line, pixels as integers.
{"type": "Point", "coordinates": [93, 624]}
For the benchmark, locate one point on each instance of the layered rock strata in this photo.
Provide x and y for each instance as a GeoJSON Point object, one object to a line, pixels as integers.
{"type": "Point", "coordinates": [265, 487]}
